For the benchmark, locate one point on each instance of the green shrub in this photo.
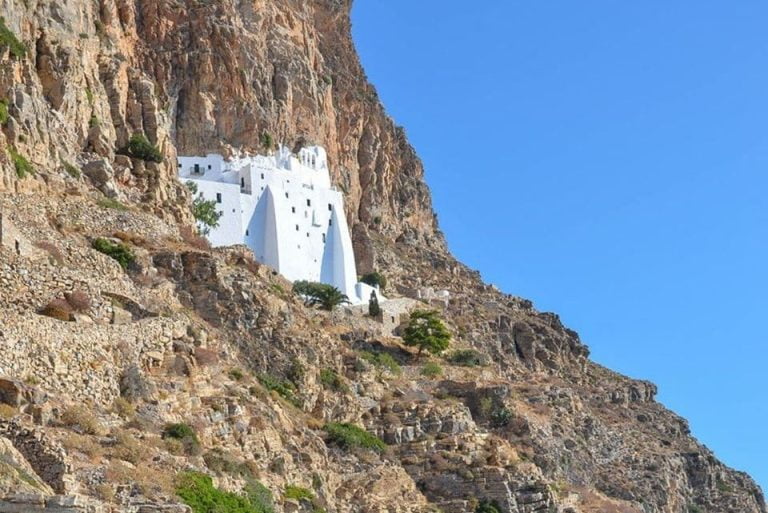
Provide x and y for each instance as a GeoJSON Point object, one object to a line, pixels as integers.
{"type": "Point", "coordinates": [431, 370]}
{"type": "Point", "coordinates": [467, 358]}
{"type": "Point", "coordinates": [284, 389]}
{"type": "Point", "coordinates": [314, 293]}
{"type": "Point", "coordinates": [197, 492]}
{"type": "Point", "coordinates": [374, 310]}
{"type": "Point", "coordinates": [139, 147]}
{"type": "Point", "coordinates": [692, 508]}
{"type": "Point", "coordinates": [224, 463]}
{"type": "Point", "coordinates": [266, 140]}
{"type": "Point", "coordinates": [501, 417]}
{"type": "Point", "coordinates": [426, 330]}
{"type": "Point", "coordinates": [349, 436]}
{"type": "Point", "coordinates": [71, 169]}
{"type": "Point", "coordinates": [384, 362]}
{"type": "Point", "coordinates": [203, 210]}
{"type": "Point", "coordinates": [111, 203]}
{"type": "Point", "coordinates": [20, 163]}
{"type": "Point", "coordinates": [185, 434]}
{"type": "Point", "coordinates": [331, 380]}
{"type": "Point", "coordinates": [119, 252]}
{"type": "Point", "coordinates": [488, 507]}
{"type": "Point", "coordinates": [375, 279]}
{"type": "Point", "coordinates": [9, 40]}
{"type": "Point", "coordinates": [3, 112]}
{"type": "Point", "coordinates": [298, 493]}
{"type": "Point", "coordinates": [236, 374]}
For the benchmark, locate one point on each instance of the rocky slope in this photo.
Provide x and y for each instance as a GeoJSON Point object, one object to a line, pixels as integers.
{"type": "Point", "coordinates": [214, 341]}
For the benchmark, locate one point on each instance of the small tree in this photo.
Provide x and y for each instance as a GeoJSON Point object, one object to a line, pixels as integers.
{"type": "Point", "coordinates": [326, 296]}
{"type": "Point", "coordinates": [374, 310]}
{"type": "Point", "coordinates": [375, 279]}
{"type": "Point", "coordinates": [204, 210]}
{"type": "Point", "coordinates": [139, 147]}
{"type": "Point", "coordinates": [426, 330]}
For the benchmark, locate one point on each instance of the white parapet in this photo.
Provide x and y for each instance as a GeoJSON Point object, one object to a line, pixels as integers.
{"type": "Point", "coordinates": [284, 208]}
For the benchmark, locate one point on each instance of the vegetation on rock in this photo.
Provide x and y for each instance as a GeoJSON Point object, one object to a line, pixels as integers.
{"type": "Point", "coordinates": [383, 362]}
{"type": "Point", "coordinates": [466, 358]}
{"type": "Point", "coordinates": [118, 252]}
{"type": "Point", "coordinates": [431, 370]}
{"type": "Point", "coordinates": [350, 436]}
{"type": "Point", "coordinates": [331, 380]}
{"type": "Point", "coordinates": [375, 279]}
{"type": "Point", "coordinates": [9, 40]}
{"type": "Point", "coordinates": [185, 434]}
{"type": "Point", "coordinates": [298, 493]}
{"type": "Point", "coordinates": [3, 112]}
{"type": "Point", "coordinates": [20, 163]}
{"type": "Point", "coordinates": [198, 492]}
{"type": "Point", "coordinates": [374, 310]}
{"type": "Point", "coordinates": [139, 147]}
{"type": "Point", "coordinates": [426, 330]}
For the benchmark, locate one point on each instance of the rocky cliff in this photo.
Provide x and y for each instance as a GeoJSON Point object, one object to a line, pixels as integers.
{"type": "Point", "coordinates": [116, 379]}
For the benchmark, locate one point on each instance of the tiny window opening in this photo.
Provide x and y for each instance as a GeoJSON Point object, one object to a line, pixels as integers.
{"type": "Point", "coordinates": [218, 197]}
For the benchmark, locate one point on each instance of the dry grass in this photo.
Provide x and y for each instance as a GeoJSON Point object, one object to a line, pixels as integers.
{"type": "Point", "coordinates": [150, 481]}
{"type": "Point", "coordinates": [206, 357]}
{"type": "Point", "coordinates": [124, 408]}
{"type": "Point", "coordinates": [7, 411]}
{"type": "Point", "coordinates": [75, 443]}
{"type": "Point", "coordinates": [190, 236]}
{"type": "Point", "coordinates": [81, 419]}
{"type": "Point", "coordinates": [57, 309]}
{"type": "Point", "coordinates": [79, 300]}
{"type": "Point", "coordinates": [128, 448]}
{"type": "Point", "coordinates": [54, 253]}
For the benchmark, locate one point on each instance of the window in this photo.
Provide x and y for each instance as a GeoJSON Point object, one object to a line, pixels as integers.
{"type": "Point", "coordinates": [209, 166]}
{"type": "Point", "coordinates": [179, 165]}
{"type": "Point", "coordinates": [247, 233]}
{"type": "Point", "coordinates": [233, 210]}
{"type": "Point", "coordinates": [242, 181]}
{"type": "Point", "coordinates": [330, 206]}
{"type": "Point", "coordinates": [262, 176]}
{"type": "Point", "coordinates": [297, 227]}
{"type": "Point", "coordinates": [218, 197]}
{"type": "Point", "coordinates": [293, 210]}
{"type": "Point", "coordinates": [330, 222]}
{"type": "Point", "coordinates": [286, 194]}
{"type": "Point", "coordinates": [309, 203]}
{"type": "Point", "coordinates": [323, 238]}
{"type": "Point", "coordinates": [307, 234]}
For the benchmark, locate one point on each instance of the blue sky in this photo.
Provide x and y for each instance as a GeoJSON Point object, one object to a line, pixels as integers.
{"type": "Point", "coordinates": [609, 161]}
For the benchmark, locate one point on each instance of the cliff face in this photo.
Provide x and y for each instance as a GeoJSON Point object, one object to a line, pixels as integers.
{"type": "Point", "coordinates": [211, 339]}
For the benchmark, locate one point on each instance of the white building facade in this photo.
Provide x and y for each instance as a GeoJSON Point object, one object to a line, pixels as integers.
{"type": "Point", "coordinates": [284, 208]}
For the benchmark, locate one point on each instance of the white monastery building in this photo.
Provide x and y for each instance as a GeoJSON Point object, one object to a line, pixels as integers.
{"type": "Point", "coordinates": [285, 209]}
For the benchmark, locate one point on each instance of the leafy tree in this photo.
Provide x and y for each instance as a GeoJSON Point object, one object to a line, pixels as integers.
{"type": "Point", "coordinates": [374, 310]}
{"type": "Point", "coordinates": [426, 330]}
{"type": "Point", "coordinates": [375, 279]}
{"type": "Point", "coordinates": [203, 210]}
{"type": "Point", "coordinates": [326, 296]}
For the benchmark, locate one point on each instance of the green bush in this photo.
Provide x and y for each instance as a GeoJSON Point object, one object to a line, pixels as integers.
{"type": "Point", "coordinates": [298, 493]}
{"type": "Point", "coordinates": [111, 203]}
{"type": "Point", "coordinates": [349, 436]}
{"type": "Point", "coordinates": [426, 330]}
{"type": "Point", "coordinates": [139, 147]}
{"type": "Point", "coordinates": [501, 417]}
{"type": "Point", "coordinates": [488, 507]}
{"type": "Point", "coordinates": [197, 492]}
{"type": "Point", "coordinates": [331, 380]}
{"type": "Point", "coordinates": [119, 252]}
{"type": "Point", "coordinates": [183, 433]}
{"type": "Point", "coordinates": [225, 463]}
{"type": "Point", "coordinates": [236, 374]}
{"type": "Point", "coordinates": [9, 40]}
{"type": "Point", "coordinates": [467, 358]}
{"type": "Point", "coordinates": [284, 389]}
{"type": "Point", "coordinates": [20, 163]}
{"type": "Point", "coordinates": [384, 362]}
{"type": "Point", "coordinates": [71, 169]}
{"type": "Point", "coordinates": [374, 310]}
{"type": "Point", "coordinates": [3, 112]}
{"type": "Point", "coordinates": [375, 279]}
{"type": "Point", "coordinates": [266, 140]}
{"type": "Point", "coordinates": [431, 370]}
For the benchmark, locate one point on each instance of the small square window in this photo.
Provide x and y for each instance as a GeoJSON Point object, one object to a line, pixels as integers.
{"type": "Point", "coordinates": [209, 166]}
{"type": "Point", "coordinates": [307, 234]}
{"type": "Point", "coordinates": [330, 222]}
{"type": "Point", "coordinates": [323, 237]}
{"type": "Point", "coordinates": [179, 164]}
